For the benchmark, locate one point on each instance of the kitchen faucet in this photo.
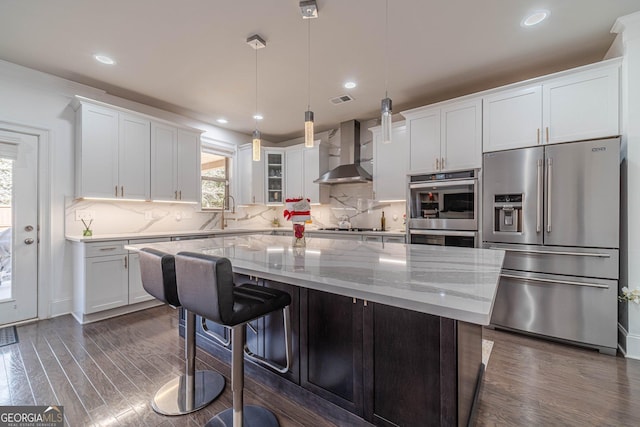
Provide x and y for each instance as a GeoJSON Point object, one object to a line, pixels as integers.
{"type": "Point", "coordinates": [229, 199]}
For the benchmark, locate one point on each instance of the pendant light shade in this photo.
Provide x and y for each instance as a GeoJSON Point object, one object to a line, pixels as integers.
{"type": "Point", "coordinates": [308, 129]}
{"type": "Point", "coordinates": [385, 120]}
{"type": "Point", "coordinates": [256, 145]}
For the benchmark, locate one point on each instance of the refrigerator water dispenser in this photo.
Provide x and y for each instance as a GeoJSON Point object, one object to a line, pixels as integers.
{"type": "Point", "coordinates": [508, 213]}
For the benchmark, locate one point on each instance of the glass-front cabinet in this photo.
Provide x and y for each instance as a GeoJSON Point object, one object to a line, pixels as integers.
{"type": "Point", "coordinates": [275, 176]}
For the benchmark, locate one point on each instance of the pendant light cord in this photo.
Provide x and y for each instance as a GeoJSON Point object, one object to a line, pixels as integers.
{"type": "Point", "coordinates": [256, 113]}
{"type": "Point", "coordinates": [309, 64]}
{"type": "Point", "coordinates": [386, 49]}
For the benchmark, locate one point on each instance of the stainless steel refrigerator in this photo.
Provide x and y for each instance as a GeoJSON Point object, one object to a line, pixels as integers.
{"type": "Point", "coordinates": [555, 210]}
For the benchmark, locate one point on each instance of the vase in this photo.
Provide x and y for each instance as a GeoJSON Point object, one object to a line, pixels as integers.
{"type": "Point", "coordinates": [298, 235]}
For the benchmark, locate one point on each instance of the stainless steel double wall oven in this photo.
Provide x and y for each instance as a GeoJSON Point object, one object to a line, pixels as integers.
{"type": "Point", "coordinates": [443, 209]}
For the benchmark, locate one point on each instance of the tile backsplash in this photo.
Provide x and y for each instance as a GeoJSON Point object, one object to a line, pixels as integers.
{"type": "Point", "coordinates": [116, 217]}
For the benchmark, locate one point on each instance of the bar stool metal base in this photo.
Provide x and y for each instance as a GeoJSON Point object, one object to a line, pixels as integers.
{"type": "Point", "coordinates": [171, 399]}
{"type": "Point", "coordinates": [253, 416]}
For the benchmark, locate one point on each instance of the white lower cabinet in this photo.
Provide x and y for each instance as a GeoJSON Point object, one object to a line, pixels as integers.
{"type": "Point", "coordinates": [107, 280]}
{"type": "Point", "coordinates": [136, 290]}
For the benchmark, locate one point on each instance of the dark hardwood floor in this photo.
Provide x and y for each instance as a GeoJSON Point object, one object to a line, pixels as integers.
{"type": "Point", "coordinates": [532, 382]}
{"type": "Point", "coordinates": [105, 373]}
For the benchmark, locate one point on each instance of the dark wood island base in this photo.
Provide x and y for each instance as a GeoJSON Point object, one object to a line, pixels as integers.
{"type": "Point", "coordinates": [360, 362]}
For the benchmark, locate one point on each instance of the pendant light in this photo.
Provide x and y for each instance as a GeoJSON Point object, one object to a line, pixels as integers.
{"type": "Point", "coordinates": [256, 42]}
{"type": "Point", "coordinates": [309, 11]}
{"type": "Point", "coordinates": [386, 109]}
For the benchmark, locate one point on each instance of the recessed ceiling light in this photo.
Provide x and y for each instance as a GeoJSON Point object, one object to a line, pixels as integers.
{"type": "Point", "coordinates": [350, 85]}
{"type": "Point", "coordinates": [535, 18]}
{"type": "Point", "coordinates": [258, 117]}
{"type": "Point", "coordinates": [223, 121]}
{"type": "Point", "coordinates": [104, 59]}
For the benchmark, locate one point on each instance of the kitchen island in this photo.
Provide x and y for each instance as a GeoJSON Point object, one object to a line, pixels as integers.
{"type": "Point", "coordinates": [389, 332]}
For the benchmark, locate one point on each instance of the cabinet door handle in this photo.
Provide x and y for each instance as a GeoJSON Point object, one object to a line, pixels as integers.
{"type": "Point", "coordinates": [538, 136]}
{"type": "Point", "coordinates": [354, 300]}
{"type": "Point", "coordinates": [116, 191]}
{"type": "Point", "coordinates": [547, 130]}
{"type": "Point", "coordinates": [364, 302]}
{"type": "Point", "coordinates": [122, 191]}
{"type": "Point", "coordinates": [113, 248]}
{"type": "Point", "coordinates": [437, 163]}
{"type": "Point", "coordinates": [176, 195]}
{"type": "Point", "coordinates": [180, 195]}
{"type": "Point", "coordinates": [442, 163]}
{"type": "Point", "coordinates": [126, 264]}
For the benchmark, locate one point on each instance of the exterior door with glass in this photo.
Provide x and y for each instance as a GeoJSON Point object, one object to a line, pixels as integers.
{"type": "Point", "coordinates": [18, 226]}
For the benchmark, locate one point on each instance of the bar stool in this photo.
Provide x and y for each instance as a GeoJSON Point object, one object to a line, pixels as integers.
{"type": "Point", "coordinates": [194, 389]}
{"type": "Point", "coordinates": [206, 287]}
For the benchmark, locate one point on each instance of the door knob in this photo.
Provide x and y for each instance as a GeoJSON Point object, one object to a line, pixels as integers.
{"type": "Point", "coordinates": [28, 240]}
{"type": "Point", "coordinates": [28, 228]}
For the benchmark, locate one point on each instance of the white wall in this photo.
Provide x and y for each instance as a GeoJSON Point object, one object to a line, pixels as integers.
{"type": "Point", "coordinates": [628, 29]}
{"type": "Point", "coordinates": [34, 99]}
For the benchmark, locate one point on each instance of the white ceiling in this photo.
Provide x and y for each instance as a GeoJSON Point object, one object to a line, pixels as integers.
{"type": "Point", "coordinates": [190, 57]}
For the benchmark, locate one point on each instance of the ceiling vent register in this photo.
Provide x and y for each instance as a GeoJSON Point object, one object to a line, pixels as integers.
{"type": "Point", "coordinates": [341, 99]}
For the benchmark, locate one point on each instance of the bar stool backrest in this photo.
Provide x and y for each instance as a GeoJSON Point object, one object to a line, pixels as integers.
{"type": "Point", "coordinates": [205, 285]}
{"type": "Point", "coordinates": [159, 275]}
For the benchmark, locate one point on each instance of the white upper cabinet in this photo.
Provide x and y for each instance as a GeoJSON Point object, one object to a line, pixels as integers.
{"type": "Point", "coordinates": [579, 105]}
{"type": "Point", "coordinates": [174, 163]}
{"type": "Point", "coordinates": [275, 176]}
{"type": "Point", "coordinates": [294, 172]}
{"type": "Point", "coordinates": [112, 153]}
{"type": "Point", "coordinates": [164, 144]}
{"type": "Point", "coordinates": [391, 163]}
{"type": "Point", "coordinates": [316, 163]}
{"type": "Point", "coordinates": [134, 157]}
{"type": "Point", "coordinates": [188, 165]}
{"type": "Point", "coordinates": [124, 155]}
{"type": "Point", "coordinates": [424, 141]}
{"type": "Point", "coordinates": [303, 166]}
{"type": "Point", "coordinates": [445, 138]}
{"type": "Point", "coordinates": [96, 151]}
{"type": "Point", "coordinates": [249, 177]}
{"type": "Point", "coordinates": [513, 118]}
{"type": "Point", "coordinates": [461, 135]}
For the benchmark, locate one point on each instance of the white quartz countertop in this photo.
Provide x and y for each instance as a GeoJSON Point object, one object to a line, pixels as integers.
{"type": "Point", "coordinates": [213, 232]}
{"type": "Point", "coordinates": [153, 234]}
{"type": "Point", "coordinates": [457, 283]}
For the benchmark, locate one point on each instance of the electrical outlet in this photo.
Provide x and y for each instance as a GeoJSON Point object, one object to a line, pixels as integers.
{"type": "Point", "coordinates": [83, 214]}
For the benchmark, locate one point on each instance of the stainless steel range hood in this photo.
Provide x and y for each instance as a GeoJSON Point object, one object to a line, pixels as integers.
{"type": "Point", "coordinates": [349, 170]}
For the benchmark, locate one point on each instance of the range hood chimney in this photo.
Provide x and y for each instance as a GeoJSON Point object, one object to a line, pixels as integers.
{"type": "Point", "coordinates": [349, 170]}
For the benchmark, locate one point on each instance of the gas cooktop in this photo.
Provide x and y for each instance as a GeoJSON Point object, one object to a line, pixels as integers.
{"type": "Point", "coordinates": [348, 229]}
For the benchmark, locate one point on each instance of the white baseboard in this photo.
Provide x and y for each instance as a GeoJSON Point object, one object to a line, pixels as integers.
{"type": "Point", "coordinates": [632, 344]}
{"type": "Point", "coordinates": [60, 307]}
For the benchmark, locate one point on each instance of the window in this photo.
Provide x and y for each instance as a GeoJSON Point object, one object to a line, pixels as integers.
{"type": "Point", "coordinates": [214, 172]}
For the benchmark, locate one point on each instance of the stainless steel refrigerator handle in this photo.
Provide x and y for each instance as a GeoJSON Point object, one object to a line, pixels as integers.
{"type": "Point", "coordinates": [549, 174]}
{"type": "Point", "coordinates": [562, 282]}
{"type": "Point", "coordinates": [539, 195]}
{"type": "Point", "coordinates": [528, 251]}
